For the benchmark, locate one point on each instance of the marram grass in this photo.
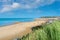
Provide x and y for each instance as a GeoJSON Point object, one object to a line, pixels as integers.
{"type": "Point", "coordinates": [45, 32]}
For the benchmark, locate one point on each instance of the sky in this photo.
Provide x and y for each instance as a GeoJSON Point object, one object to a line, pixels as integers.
{"type": "Point", "coordinates": [29, 8]}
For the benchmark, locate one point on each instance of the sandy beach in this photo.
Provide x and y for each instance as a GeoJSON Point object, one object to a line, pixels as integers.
{"type": "Point", "coordinates": [18, 30]}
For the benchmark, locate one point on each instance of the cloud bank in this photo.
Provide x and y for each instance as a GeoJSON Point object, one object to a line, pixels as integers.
{"type": "Point", "coordinates": [26, 4]}
{"type": "Point", "coordinates": [10, 7]}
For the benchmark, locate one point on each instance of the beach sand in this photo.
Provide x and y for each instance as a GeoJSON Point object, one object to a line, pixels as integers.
{"type": "Point", "coordinates": [18, 30]}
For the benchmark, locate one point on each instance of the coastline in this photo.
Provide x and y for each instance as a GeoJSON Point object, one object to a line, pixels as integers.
{"type": "Point", "coordinates": [18, 29]}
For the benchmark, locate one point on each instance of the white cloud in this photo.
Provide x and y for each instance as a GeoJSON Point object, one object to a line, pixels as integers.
{"type": "Point", "coordinates": [27, 4]}
{"type": "Point", "coordinates": [15, 5]}
{"type": "Point", "coordinates": [10, 7]}
{"type": "Point", "coordinates": [35, 3]}
{"type": "Point", "coordinates": [6, 8]}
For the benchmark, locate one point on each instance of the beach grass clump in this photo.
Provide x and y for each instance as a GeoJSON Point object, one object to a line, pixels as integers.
{"type": "Point", "coordinates": [49, 31]}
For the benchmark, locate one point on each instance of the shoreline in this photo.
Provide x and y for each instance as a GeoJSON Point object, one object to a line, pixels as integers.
{"type": "Point", "coordinates": [18, 29]}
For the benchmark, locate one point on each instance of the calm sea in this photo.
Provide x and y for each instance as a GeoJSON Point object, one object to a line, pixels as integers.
{"type": "Point", "coordinates": [7, 21]}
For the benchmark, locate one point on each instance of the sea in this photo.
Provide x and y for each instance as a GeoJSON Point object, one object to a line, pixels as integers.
{"type": "Point", "coordinates": [8, 21]}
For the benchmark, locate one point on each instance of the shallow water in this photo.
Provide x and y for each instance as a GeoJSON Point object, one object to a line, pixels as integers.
{"type": "Point", "coordinates": [7, 21]}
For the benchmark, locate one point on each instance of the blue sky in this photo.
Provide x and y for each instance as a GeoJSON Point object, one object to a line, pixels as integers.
{"type": "Point", "coordinates": [29, 8]}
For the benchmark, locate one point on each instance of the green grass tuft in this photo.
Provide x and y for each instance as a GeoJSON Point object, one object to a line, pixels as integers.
{"type": "Point", "coordinates": [45, 32]}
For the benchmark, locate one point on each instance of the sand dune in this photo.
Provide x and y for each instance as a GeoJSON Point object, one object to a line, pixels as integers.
{"type": "Point", "coordinates": [18, 29]}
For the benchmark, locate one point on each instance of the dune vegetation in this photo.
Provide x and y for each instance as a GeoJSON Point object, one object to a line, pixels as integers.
{"type": "Point", "coordinates": [50, 31]}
